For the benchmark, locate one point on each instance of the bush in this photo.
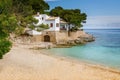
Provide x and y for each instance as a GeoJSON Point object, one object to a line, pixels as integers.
{"type": "Point", "coordinates": [74, 29]}
{"type": "Point", "coordinates": [42, 27]}
{"type": "Point", "coordinates": [19, 31]}
{"type": "Point", "coordinates": [5, 46]}
{"type": "Point", "coordinates": [31, 27]}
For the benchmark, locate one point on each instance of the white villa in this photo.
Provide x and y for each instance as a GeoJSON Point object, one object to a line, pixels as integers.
{"type": "Point", "coordinates": [54, 23]}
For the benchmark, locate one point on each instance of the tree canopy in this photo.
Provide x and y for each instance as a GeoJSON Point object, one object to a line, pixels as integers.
{"type": "Point", "coordinates": [72, 16]}
{"type": "Point", "coordinates": [14, 16]}
{"type": "Point", "coordinates": [5, 20]}
{"type": "Point", "coordinates": [28, 7]}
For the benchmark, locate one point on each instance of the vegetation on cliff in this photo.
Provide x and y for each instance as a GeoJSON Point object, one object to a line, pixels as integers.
{"type": "Point", "coordinates": [15, 15]}
{"type": "Point", "coordinates": [5, 24]}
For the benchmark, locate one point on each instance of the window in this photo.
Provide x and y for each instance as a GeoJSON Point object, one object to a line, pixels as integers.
{"type": "Point", "coordinates": [57, 24]}
{"type": "Point", "coordinates": [42, 18]}
{"type": "Point", "coordinates": [51, 24]}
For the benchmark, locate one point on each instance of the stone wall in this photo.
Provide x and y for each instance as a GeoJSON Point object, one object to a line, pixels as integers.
{"type": "Point", "coordinates": [37, 38]}
{"type": "Point", "coordinates": [61, 37]}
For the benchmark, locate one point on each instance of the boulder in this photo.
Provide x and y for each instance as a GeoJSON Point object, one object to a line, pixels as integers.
{"type": "Point", "coordinates": [71, 42]}
{"type": "Point", "coordinates": [79, 41]}
{"type": "Point", "coordinates": [88, 38]}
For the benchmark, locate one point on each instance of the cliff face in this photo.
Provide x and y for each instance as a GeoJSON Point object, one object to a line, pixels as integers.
{"type": "Point", "coordinates": [75, 38]}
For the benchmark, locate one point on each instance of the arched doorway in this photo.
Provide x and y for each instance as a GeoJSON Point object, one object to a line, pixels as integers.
{"type": "Point", "coordinates": [46, 38]}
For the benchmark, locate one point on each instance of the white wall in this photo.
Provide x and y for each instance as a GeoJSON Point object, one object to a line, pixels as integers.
{"type": "Point", "coordinates": [39, 18]}
{"type": "Point", "coordinates": [33, 32]}
{"type": "Point", "coordinates": [49, 22]}
{"type": "Point", "coordinates": [55, 21]}
{"type": "Point", "coordinates": [44, 21]}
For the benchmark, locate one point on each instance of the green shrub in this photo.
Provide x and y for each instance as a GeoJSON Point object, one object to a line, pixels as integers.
{"type": "Point", "coordinates": [42, 27]}
{"type": "Point", "coordinates": [74, 29]}
{"type": "Point", "coordinates": [5, 46]}
{"type": "Point", "coordinates": [19, 31]}
{"type": "Point", "coordinates": [32, 27]}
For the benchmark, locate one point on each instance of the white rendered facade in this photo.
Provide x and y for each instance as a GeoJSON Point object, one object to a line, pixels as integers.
{"type": "Point", "coordinates": [52, 22]}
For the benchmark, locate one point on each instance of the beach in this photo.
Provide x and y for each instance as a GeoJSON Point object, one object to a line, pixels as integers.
{"type": "Point", "coordinates": [22, 63]}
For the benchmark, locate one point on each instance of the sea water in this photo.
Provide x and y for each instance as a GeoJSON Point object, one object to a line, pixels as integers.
{"type": "Point", "coordinates": [105, 50]}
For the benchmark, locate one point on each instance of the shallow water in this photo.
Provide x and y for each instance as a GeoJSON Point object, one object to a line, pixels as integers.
{"type": "Point", "coordinates": [105, 50]}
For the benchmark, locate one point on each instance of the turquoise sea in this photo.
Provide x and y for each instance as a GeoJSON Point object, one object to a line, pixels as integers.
{"type": "Point", "coordinates": [105, 50]}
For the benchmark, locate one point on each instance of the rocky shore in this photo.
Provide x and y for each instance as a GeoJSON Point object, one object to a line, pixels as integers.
{"type": "Point", "coordinates": [83, 38]}
{"type": "Point", "coordinates": [76, 38]}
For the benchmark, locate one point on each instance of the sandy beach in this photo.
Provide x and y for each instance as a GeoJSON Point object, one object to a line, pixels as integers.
{"type": "Point", "coordinates": [22, 63]}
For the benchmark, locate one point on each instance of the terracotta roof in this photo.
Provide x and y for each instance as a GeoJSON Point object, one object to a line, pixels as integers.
{"type": "Point", "coordinates": [64, 22]}
{"type": "Point", "coordinates": [52, 18]}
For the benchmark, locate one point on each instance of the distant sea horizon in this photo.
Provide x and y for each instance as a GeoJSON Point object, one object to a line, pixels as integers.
{"type": "Point", "coordinates": [105, 50]}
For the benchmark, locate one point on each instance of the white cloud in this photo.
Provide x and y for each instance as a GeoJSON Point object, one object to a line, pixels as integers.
{"type": "Point", "coordinates": [103, 21]}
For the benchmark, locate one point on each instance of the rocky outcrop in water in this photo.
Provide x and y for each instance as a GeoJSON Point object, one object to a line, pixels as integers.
{"type": "Point", "coordinates": [76, 38]}
{"type": "Point", "coordinates": [81, 40]}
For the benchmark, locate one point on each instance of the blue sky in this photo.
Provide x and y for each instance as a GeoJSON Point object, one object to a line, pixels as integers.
{"type": "Point", "coordinates": [100, 12]}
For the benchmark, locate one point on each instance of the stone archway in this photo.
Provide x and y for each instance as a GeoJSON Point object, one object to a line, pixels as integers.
{"type": "Point", "coordinates": [46, 38]}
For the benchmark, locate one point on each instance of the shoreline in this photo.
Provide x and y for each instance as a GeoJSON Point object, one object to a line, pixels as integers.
{"type": "Point", "coordinates": [78, 61]}
{"type": "Point", "coordinates": [22, 63]}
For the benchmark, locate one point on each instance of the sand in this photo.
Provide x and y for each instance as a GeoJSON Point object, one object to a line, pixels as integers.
{"type": "Point", "coordinates": [22, 63]}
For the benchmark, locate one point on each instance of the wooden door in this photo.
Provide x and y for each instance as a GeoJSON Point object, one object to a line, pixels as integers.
{"type": "Point", "coordinates": [46, 38]}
